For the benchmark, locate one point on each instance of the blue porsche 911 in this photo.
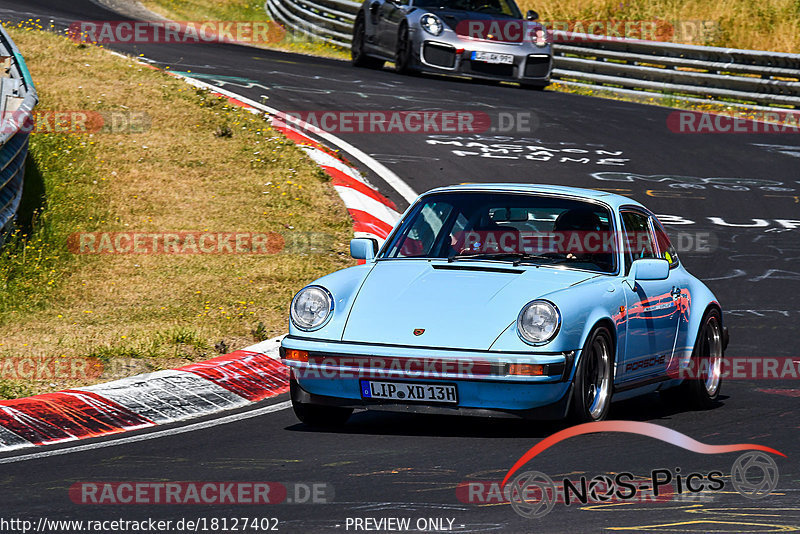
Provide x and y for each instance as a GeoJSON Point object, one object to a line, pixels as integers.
{"type": "Point", "coordinates": [541, 302]}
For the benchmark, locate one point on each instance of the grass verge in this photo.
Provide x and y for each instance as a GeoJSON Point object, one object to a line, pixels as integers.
{"type": "Point", "coordinates": [199, 165]}
{"type": "Point", "coordinates": [241, 11]}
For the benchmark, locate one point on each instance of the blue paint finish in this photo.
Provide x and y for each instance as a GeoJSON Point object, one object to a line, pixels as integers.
{"type": "Point", "coordinates": [469, 313]}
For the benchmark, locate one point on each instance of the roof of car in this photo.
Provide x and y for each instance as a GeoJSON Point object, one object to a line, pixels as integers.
{"type": "Point", "coordinates": [612, 199]}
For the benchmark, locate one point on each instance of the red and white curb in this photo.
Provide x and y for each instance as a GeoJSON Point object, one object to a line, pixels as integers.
{"type": "Point", "coordinates": [223, 383]}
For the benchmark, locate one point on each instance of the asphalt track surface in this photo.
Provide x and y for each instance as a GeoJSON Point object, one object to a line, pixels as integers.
{"type": "Point", "coordinates": [392, 465]}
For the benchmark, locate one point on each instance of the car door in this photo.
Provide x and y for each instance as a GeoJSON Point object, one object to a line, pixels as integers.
{"type": "Point", "coordinates": [652, 305]}
{"type": "Point", "coordinates": [681, 292]}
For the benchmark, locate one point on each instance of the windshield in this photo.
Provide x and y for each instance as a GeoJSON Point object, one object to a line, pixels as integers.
{"type": "Point", "coordinates": [512, 227]}
{"type": "Point", "coordinates": [491, 7]}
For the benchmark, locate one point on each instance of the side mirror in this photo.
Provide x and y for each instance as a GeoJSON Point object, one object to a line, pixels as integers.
{"type": "Point", "coordinates": [364, 248]}
{"type": "Point", "coordinates": [531, 15]}
{"type": "Point", "coordinates": [650, 269]}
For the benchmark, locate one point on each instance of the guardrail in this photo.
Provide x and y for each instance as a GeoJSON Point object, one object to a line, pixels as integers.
{"type": "Point", "coordinates": [766, 78]}
{"type": "Point", "coordinates": [17, 100]}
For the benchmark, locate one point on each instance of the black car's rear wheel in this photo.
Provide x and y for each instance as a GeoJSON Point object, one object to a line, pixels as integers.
{"type": "Point", "coordinates": [403, 59]}
{"type": "Point", "coordinates": [593, 382]}
{"type": "Point", "coordinates": [357, 55]}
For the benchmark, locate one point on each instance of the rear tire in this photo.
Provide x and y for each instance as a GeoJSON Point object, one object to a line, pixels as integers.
{"type": "Point", "coordinates": [702, 392]}
{"type": "Point", "coordinates": [593, 383]}
{"type": "Point", "coordinates": [358, 58]}
{"type": "Point", "coordinates": [318, 415]}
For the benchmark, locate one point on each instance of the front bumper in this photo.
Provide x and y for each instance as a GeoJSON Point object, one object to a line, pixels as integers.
{"type": "Point", "coordinates": [332, 375]}
{"type": "Point", "coordinates": [439, 55]}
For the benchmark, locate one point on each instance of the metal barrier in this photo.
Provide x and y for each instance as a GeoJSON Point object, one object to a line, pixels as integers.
{"type": "Point", "coordinates": [767, 78]}
{"type": "Point", "coordinates": [17, 100]}
{"type": "Point", "coordinates": [329, 20]}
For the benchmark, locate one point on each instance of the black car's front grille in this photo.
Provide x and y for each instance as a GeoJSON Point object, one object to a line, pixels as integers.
{"type": "Point", "coordinates": [537, 66]}
{"type": "Point", "coordinates": [491, 69]}
{"type": "Point", "coordinates": [439, 55]}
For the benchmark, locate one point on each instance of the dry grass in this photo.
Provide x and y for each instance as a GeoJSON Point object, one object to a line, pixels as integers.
{"type": "Point", "coordinates": [241, 10]}
{"type": "Point", "coordinates": [752, 24]}
{"type": "Point", "coordinates": [154, 311]}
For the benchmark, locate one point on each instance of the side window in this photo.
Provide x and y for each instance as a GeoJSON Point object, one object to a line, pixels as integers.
{"type": "Point", "coordinates": [420, 238]}
{"type": "Point", "coordinates": [665, 248]}
{"type": "Point", "coordinates": [638, 241]}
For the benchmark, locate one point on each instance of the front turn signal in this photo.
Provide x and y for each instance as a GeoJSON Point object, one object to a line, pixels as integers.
{"type": "Point", "coordinates": [526, 369]}
{"type": "Point", "coordinates": [296, 355]}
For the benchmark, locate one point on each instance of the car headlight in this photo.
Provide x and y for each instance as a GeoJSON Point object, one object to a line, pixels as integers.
{"type": "Point", "coordinates": [540, 37]}
{"type": "Point", "coordinates": [311, 307]}
{"type": "Point", "coordinates": [538, 322]}
{"type": "Point", "coordinates": [431, 24]}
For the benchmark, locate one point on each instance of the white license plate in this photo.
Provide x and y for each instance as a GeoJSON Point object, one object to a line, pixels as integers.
{"type": "Point", "coordinates": [407, 392]}
{"type": "Point", "coordinates": [491, 57]}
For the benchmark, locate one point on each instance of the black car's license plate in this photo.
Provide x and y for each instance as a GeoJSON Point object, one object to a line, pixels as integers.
{"type": "Point", "coordinates": [408, 392]}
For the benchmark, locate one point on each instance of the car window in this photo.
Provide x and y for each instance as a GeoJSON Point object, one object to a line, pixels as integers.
{"type": "Point", "coordinates": [665, 248]}
{"type": "Point", "coordinates": [508, 227]}
{"type": "Point", "coordinates": [638, 240]}
{"type": "Point", "coordinates": [421, 235]}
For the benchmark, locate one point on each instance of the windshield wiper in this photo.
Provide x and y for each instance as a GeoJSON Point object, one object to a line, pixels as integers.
{"type": "Point", "coordinates": [516, 257]}
{"type": "Point", "coordinates": [485, 256]}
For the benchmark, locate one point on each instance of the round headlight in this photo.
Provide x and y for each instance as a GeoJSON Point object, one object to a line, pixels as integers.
{"type": "Point", "coordinates": [540, 39]}
{"type": "Point", "coordinates": [311, 307]}
{"type": "Point", "coordinates": [431, 24]}
{"type": "Point", "coordinates": [538, 322]}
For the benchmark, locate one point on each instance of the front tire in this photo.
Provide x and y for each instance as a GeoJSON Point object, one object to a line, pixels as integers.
{"type": "Point", "coordinates": [318, 415]}
{"type": "Point", "coordinates": [403, 57]}
{"type": "Point", "coordinates": [592, 387]}
{"type": "Point", "coordinates": [358, 58]}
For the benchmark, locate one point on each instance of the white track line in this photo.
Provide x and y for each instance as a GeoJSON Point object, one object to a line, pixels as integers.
{"type": "Point", "coordinates": [152, 435]}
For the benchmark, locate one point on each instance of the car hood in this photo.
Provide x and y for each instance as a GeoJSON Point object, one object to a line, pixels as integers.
{"type": "Point", "coordinates": [458, 305]}
{"type": "Point", "coordinates": [458, 21]}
